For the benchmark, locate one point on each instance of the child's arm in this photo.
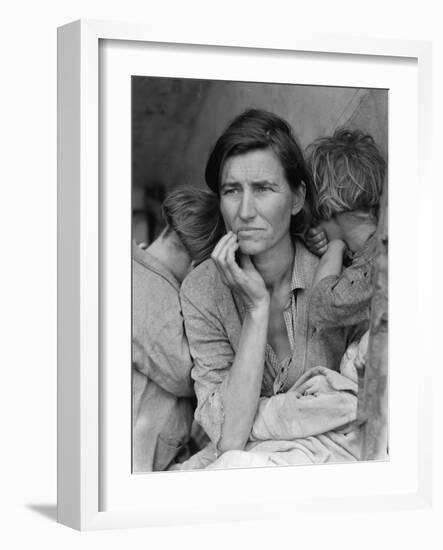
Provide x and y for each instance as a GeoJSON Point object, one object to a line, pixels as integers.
{"type": "Point", "coordinates": [340, 299]}
{"type": "Point", "coordinates": [331, 262]}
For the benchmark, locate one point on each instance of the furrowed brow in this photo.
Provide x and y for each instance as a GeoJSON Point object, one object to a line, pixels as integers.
{"type": "Point", "coordinates": [230, 184]}
{"type": "Point", "coordinates": [264, 182]}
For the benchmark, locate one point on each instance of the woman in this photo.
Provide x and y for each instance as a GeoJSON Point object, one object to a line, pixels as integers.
{"type": "Point", "coordinates": [246, 309]}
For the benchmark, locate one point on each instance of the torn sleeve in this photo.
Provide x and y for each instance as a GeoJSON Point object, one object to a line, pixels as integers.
{"type": "Point", "coordinates": [344, 300]}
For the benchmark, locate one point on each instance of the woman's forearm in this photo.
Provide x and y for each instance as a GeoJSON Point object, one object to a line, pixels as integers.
{"type": "Point", "coordinates": [242, 387]}
{"type": "Point", "coordinates": [240, 390]}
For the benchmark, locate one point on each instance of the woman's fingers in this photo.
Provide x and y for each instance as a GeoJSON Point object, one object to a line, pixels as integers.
{"type": "Point", "coordinates": [225, 249]}
{"type": "Point", "coordinates": [216, 253]}
{"type": "Point", "coordinates": [231, 263]}
{"type": "Point", "coordinates": [219, 252]}
{"type": "Point", "coordinates": [233, 272]}
{"type": "Point", "coordinates": [308, 388]}
{"type": "Point", "coordinates": [243, 278]}
{"type": "Point", "coordinates": [219, 247]}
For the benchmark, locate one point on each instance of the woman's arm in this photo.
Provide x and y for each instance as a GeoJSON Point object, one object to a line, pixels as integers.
{"type": "Point", "coordinates": [241, 389]}
{"type": "Point", "coordinates": [320, 401]}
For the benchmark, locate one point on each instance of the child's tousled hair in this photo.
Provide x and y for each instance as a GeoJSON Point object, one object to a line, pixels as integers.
{"type": "Point", "coordinates": [348, 173]}
{"type": "Point", "coordinates": [195, 217]}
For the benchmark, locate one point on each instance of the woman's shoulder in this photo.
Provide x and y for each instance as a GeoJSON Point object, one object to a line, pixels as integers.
{"type": "Point", "coordinates": [305, 264]}
{"type": "Point", "coordinates": [204, 284]}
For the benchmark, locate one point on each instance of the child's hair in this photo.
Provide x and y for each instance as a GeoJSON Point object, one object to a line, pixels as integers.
{"type": "Point", "coordinates": [194, 215]}
{"type": "Point", "coordinates": [348, 172]}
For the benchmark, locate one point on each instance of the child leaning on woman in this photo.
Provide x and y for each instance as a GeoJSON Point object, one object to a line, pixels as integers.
{"type": "Point", "coordinates": [348, 173]}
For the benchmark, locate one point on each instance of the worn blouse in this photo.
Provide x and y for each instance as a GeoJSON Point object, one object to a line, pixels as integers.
{"type": "Point", "coordinates": [213, 319]}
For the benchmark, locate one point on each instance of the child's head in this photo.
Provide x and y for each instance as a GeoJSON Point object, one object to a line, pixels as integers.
{"type": "Point", "coordinates": [348, 173]}
{"type": "Point", "coordinates": [193, 214]}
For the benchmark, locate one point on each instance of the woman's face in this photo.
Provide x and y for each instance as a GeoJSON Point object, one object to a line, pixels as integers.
{"type": "Point", "coordinates": [256, 200]}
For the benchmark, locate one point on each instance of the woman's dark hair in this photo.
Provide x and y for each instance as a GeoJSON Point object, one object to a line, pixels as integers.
{"type": "Point", "coordinates": [194, 215]}
{"type": "Point", "coordinates": [258, 129]}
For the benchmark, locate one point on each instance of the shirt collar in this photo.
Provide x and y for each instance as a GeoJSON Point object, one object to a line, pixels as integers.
{"type": "Point", "coordinates": [303, 271]}
{"type": "Point", "coordinates": [298, 279]}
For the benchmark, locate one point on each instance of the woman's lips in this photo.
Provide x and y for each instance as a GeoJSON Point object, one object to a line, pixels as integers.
{"type": "Point", "coordinates": [249, 229]}
{"type": "Point", "coordinates": [245, 232]}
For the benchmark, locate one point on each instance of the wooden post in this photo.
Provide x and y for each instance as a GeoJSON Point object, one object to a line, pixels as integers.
{"type": "Point", "coordinates": [373, 403]}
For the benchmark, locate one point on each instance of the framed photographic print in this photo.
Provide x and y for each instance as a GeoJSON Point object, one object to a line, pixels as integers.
{"type": "Point", "coordinates": [284, 134]}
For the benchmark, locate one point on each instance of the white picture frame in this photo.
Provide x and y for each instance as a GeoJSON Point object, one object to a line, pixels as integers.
{"type": "Point", "coordinates": [81, 296]}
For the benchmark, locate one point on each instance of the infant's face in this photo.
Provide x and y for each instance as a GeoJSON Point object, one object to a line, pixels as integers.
{"type": "Point", "coordinates": [354, 358]}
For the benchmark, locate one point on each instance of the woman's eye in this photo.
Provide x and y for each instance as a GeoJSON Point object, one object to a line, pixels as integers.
{"type": "Point", "coordinates": [262, 189]}
{"type": "Point", "coordinates": [229, 191]}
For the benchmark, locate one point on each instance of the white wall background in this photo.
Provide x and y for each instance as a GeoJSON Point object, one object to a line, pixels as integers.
{"type": "Point", "coordinates": [28, 269]}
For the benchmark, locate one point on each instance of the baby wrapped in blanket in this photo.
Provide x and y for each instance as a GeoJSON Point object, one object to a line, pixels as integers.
{"type": "Point", "coordinates": [314, 422]}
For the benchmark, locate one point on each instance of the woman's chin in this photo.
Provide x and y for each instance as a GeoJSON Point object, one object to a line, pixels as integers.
{"type": "Point", "coordinates": [250, 249]}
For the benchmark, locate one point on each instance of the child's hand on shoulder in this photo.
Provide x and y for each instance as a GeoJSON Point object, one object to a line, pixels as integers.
{"type": "Point", "coordinates": [318, 237]}
{"type": "Point", "coordinates": [316, 240]}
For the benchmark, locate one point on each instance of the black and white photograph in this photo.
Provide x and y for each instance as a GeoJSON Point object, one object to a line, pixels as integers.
{"type": "Point", "coordinates": [231, 343]}
{"type": "Point", "coordinates": [259, 274]}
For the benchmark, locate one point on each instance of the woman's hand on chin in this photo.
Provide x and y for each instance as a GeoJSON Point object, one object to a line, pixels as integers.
{"type": "Point", "coordinates": [244, 279]}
